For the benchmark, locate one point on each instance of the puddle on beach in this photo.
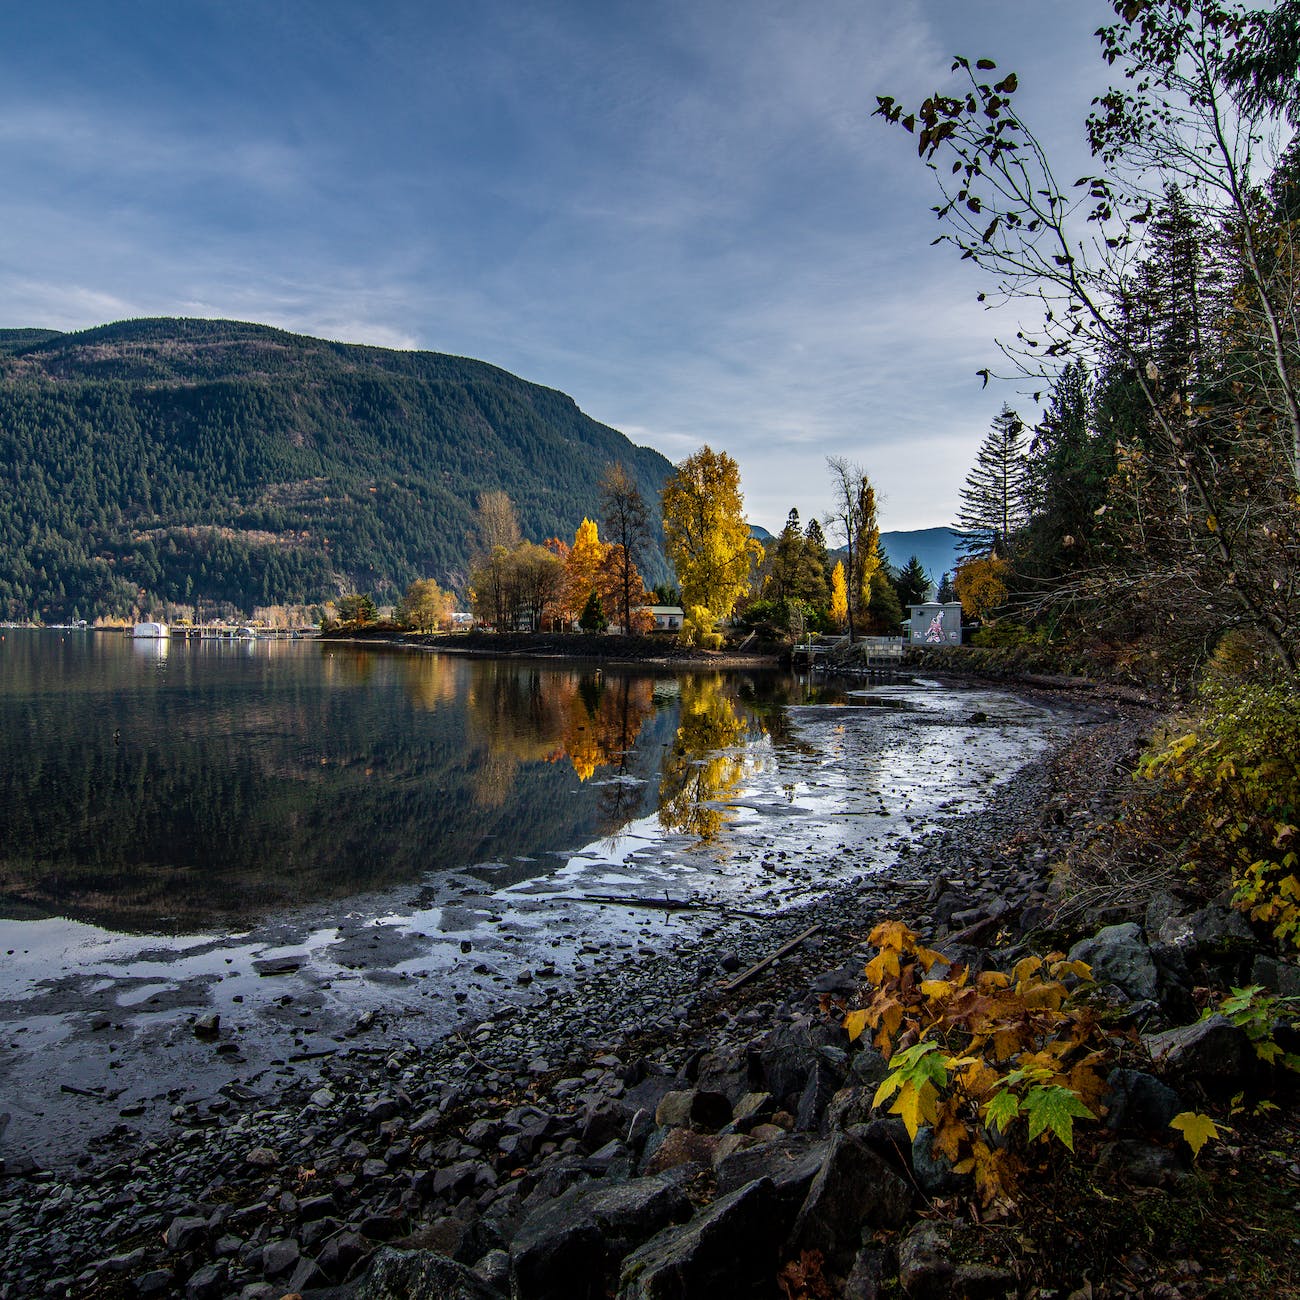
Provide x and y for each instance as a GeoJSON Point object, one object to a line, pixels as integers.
{"type": "Point", "coordinates": [756, 820]}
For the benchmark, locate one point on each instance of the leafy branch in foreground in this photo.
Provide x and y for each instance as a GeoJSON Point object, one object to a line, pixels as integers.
{"type": "Point", "coordinates": [1233, 798]}
{"type": "Point", "coordinates": [975, 1056]}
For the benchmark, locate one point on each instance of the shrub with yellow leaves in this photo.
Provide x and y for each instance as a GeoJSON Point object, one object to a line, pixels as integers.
{"type": "Point", "coordinates": [974, 1056]}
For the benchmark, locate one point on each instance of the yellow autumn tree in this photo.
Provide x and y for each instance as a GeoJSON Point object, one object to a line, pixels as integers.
{"type": "Point", "coordinates": [425, 606]}
{"type": "Point", "coordinates": [980, 585]}
{"type": "Point", "coordinates": [582, 566]}
{"type": "Point", "coordinates": [707, 538]}
{"type": "Point", "coordinates": [705, 763]}
{"type": "Point", "coordinates": [839, 595]}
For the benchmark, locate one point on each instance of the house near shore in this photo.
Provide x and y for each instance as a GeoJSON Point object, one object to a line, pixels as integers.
{"type": "Point", "coordinates": [668, 618]}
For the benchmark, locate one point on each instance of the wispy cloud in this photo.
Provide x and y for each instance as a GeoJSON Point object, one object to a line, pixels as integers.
{"type": "Point", "coordinates": [681, 214]}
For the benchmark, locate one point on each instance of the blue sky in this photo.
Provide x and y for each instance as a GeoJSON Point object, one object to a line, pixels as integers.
{"type": "Point", "coordinates": [682, 214]}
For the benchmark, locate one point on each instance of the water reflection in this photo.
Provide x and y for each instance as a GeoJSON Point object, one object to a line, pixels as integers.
{"type": "Point", "coordinates": [706, 762]}
{"type": "Point", "coordinates": [237, 783]}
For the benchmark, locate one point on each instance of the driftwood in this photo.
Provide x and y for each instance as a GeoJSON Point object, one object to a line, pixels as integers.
{"type": "Point", "coordinates": [91, 1093]}
{"type": "Point", "coordinates": [749, 974]}
{"type": "Point", "coordinates": [664, 904]}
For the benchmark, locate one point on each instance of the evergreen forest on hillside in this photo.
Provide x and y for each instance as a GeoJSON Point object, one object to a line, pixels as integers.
{"type": "Point", "coordinates": [213, 464]}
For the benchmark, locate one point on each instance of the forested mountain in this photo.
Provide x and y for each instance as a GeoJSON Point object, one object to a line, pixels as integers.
{"type": "Point", "coordinates": [177, 460]}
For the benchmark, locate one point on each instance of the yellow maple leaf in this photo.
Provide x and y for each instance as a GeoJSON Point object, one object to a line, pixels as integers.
{"type": "Point", "coordinates": [915, 1105]}
{"type": "Point", "coordinates": [1039, 997]}
{"type": "Point", "coordinates": [892, 934]}
{"type": "Point", "coordinates": [1025, 967]}
{"type": "Point", "coordinates": [1006, 1042]}
{"type": "Point", "coordinates": [978, 1079]}
{"type": "Point", "coordinates": [935, 989]}
{"type": "Point", "coordinates": [1196, 1129]}
{"type": "Point", "coordinates": [885, 962]}
{"type": "Point", "coordinates": [928, 957]}
{"type": "Point", "coordinates": [855, 1022]}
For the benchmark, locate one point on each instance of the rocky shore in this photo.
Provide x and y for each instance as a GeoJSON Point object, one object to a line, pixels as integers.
{"type": "Point", "coordinates": [675, 1129]}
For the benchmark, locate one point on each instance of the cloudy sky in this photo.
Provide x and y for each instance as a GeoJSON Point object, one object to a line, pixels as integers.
{"type": "Point", "coordinates": [680, 212]}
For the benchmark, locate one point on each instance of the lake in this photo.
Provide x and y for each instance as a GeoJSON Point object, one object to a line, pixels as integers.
{"type": "Point", "coordinates": [293, 834]}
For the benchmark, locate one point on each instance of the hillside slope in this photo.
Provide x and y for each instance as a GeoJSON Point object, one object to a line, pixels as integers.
{"type": "Point", "coordinates": [184, 460]}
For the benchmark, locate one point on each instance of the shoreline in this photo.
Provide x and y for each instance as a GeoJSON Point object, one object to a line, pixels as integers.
{"type": "Point", "coordinates": [116, 1025]}
{"type": "Point", "coordinates": [643, 652]}
{"type": "Point", "coordinates": [382, 1122]}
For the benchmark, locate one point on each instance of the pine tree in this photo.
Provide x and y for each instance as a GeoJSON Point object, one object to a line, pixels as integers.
{"type": "Point", "coordinates": [794, 567]}
{"type": "Point", "coordinates": [1067, 472]}
{"type": "Point", "coordinates": [913, 583]}
{"type": "Point", "coordinates": [992, 500]}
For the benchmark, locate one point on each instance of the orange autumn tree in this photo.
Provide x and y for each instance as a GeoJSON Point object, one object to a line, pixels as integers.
{"type": "Point", "coordinates": [619, 582]}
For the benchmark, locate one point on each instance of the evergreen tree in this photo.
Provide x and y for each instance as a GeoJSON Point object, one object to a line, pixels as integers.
{"type": "Point", "coordinates": [1067, 474]}
{"type": "Point", "coordinates": [794, 568]}
{"type": "Point", "coordinates": [884, 613]}
{"type": "Point", "coordinates": [913, 583]}
{"type": "Point", "coordinates": [992, 500]}
{"type": "Point", "coordinates": [593, 615]}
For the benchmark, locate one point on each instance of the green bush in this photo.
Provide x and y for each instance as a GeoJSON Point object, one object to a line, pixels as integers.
{"type": "Point", "coordinates": [1005, 634]}
{"type": "Point", "coordinates": [1236, 772]}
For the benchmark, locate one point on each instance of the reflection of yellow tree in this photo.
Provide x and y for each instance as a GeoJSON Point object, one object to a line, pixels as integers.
{"type": "Point", "coordinates": [430, 680]}
{"type": "Point", "coordinates": [602, 720]}
{"type": "Point", "coordinates": [525, 717]}
{"type": "Point", "coordinates": [701, 767]}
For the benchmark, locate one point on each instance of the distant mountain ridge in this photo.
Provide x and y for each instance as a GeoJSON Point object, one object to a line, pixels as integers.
{"type": "Point", "coordinates": [935, 547]}
{"type": "Point", "coordinates": [182, 460]}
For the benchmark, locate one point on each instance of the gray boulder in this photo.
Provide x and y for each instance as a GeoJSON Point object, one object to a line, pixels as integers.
{"type": "Point", "coordinates": [853, 1189]}
{"type": "Point", "coordinates": [1210, 927]}
{"type": "Point", "coordinates": [925, 1266]}
{"type": "Point", "coordinates": [788, 1055]}
{"type": "Point", "coordinates": [725, 1070]}
{"type": "Point", "coordinates": [790, 1164]}
{"type": "Point", "coordinates": [1119, 955]}
{"type": "Point", "coordinates": [1138, 1102]}
{"type": "Point", "coordinates": [1213, 1053]}
{"type": "Point", "coordinates": [421, 1275]}
{"type": "Point", "coordinates": [1279, 976]}
{"type": "Point", "coordinates": [568, 1246]}
{"type": "Point", "coordinates": [729, 1249]}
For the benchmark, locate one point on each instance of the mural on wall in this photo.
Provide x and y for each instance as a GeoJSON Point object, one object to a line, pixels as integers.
{"type": "Point", "coordinates": [935, 624]}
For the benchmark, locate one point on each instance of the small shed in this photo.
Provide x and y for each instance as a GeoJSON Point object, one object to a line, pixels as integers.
{"type": "Point", "coordinates": [935, 623]}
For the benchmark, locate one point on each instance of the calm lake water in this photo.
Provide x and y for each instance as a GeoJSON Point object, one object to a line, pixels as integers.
{"type": "Point", "coordinates": [155, 785]}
